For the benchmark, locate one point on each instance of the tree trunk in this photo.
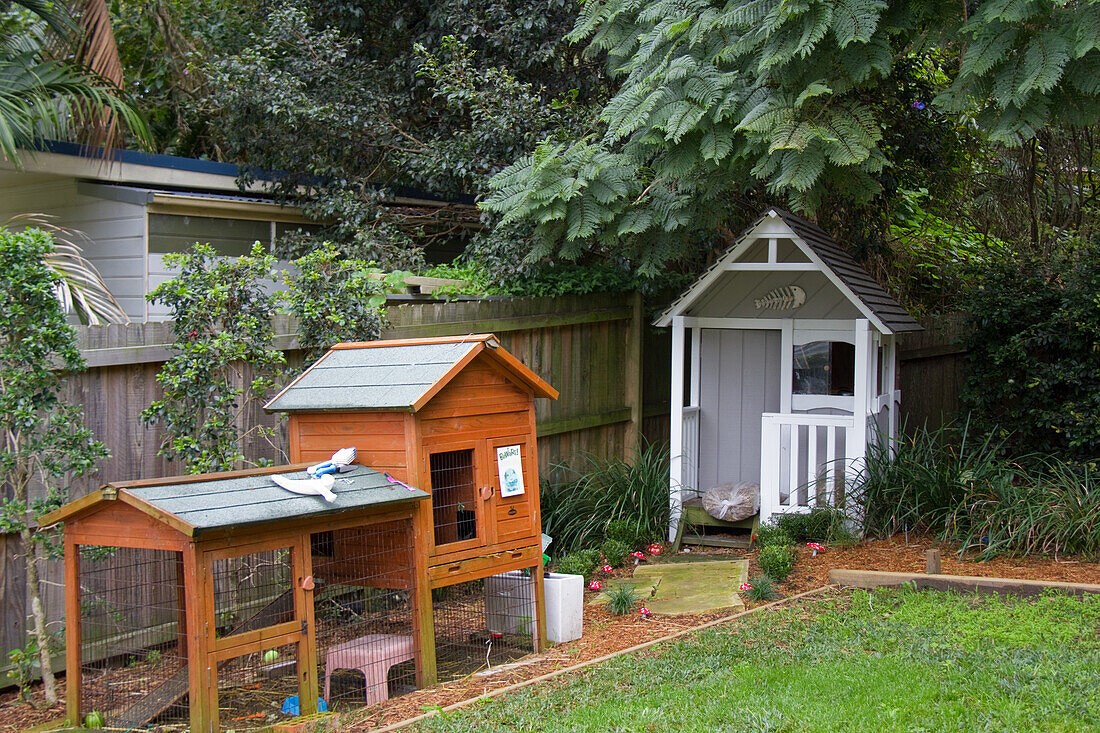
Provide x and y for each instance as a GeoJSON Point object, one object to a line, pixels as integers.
{"type": "Point", "coordinates": [38, 614]}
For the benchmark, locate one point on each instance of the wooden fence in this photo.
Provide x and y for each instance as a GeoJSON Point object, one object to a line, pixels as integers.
{"type": "Point", "coordinates": [931, 373]}
{"type": "Point", "coordinates": [598, 351]}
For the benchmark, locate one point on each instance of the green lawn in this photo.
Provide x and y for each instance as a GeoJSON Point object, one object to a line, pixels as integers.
{"type": "Point", "coordinates": [897, 660]}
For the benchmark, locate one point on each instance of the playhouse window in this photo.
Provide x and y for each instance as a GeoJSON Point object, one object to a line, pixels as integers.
{"type": "Point", "coordinates": [824, 368]}
{"type": "Point", "coordinates": [454, 497]}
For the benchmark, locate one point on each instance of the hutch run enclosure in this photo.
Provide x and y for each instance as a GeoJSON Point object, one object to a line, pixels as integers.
{"type": "Point", "coordinates": [227, 602]}
{"type": "Point", "coordinates": [783, 368]}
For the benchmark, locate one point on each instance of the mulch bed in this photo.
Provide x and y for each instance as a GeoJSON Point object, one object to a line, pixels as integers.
{"type": "Point", "coordinates": [604, 634]}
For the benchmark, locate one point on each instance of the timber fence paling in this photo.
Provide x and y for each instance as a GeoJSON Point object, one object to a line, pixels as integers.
{"type": "Point", "coordinates": [588, 347]}
{"type": "Point", "coordinates": [932, 372]}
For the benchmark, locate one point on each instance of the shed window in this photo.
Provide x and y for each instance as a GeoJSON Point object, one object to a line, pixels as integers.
{"type": "Point", "coordinates": [454, 497]}
{"type": "Point", "coordinates": [229, 237]}
{"type": "Point", "coordinates": [824, 368]}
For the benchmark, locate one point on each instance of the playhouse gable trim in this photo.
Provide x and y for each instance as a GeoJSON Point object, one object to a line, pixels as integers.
{"type": "Point", "coordinates": [824, 255]}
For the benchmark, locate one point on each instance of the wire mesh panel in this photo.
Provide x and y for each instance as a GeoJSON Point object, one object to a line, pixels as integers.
{"type": "Point", "coordinates": [364, 577]}
{"type": "Point", "coordinates": [483, 623]}
{"type": "Point", "coordinates": [252, 591]}
{"type": "Point", "coordinates": [258, 689]}
{"type": "Point", "coordinates": [133, 639]}
{"type": "Point", "coordinates": [454, 496]}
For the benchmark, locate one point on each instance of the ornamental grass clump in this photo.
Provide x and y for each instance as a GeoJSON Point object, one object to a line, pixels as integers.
{"type": "Point", "coordinates": [608, 499]}
{"type": "Point", "coordinates": [761, 589]}
{"type": "Point", "coordinates": [621, 599]}
{"type": "Point", "coordinates": [962, 490]}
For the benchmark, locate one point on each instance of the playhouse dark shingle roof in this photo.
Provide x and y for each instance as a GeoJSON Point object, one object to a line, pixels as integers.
{"type": "Point", "coordinates": [835, 257]}
{"type": "Point", "coordinates": [233, 502]}
{"type": "Point", "coordinates": [392, 377]}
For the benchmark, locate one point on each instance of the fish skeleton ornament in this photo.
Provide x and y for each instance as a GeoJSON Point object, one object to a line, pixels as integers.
{"type": "Point", "coordinates": [781, 299]}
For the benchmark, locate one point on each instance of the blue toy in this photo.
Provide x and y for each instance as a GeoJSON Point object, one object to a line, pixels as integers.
{"type": "Point", "coordinates": [290, 705]}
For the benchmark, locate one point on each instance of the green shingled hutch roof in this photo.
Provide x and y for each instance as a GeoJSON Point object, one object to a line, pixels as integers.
{"type": "Point", "coordinates": [197, 504]}
{"type": "Point", "coordinates": [394, 375]}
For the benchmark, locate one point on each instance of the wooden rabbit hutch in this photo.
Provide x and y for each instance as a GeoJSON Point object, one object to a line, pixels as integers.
{"type": "Point", "coordinates": [212, 601]}
{"type": "Point", "coordinates": [456, 416]}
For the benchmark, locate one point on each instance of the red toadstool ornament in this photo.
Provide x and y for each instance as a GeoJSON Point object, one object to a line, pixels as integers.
{"type": "Point", "coordinates": [815, 547]}
{"type": "Point", "coordinates": [745, 586]}
{"type": "Point", "coordinates": [654, 549]}
{"type": "Point", "coordinates": [646, 613]}
{"type": "Point", "coordinates": [595, 585]}
{"type": "Point", "coordinates": [607, 568]}
{"type": "Point", "coordinates": [638, 556]}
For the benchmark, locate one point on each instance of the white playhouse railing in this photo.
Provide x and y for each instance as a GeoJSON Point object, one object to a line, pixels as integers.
{"type": "Point", "coordinates": [804, 460]}
{"type": "Point", "coordinates": [689, 450]}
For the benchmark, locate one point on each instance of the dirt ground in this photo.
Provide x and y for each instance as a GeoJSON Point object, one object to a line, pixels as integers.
{"type": "Point", "coordinates": [604, 634]}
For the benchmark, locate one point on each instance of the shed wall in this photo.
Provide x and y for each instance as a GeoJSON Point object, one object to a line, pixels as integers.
{"type": "Point", "coordinates": [739, 381]}
{"type": "Point", "coordinates": [116, 230]}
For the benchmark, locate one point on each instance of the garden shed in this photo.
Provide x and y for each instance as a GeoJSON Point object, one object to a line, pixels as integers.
{"type": "Point", "coordinates": [783, 369]}
{"type": "Point", "coordinates": [207, 601]}
{"type": "Point", "coordinates": [455, 415]}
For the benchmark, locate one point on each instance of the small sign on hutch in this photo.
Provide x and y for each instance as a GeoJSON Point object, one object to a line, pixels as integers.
{"type": "Point", "coordinates": [510, 470]}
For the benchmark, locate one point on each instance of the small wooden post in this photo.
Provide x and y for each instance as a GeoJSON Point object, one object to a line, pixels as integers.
{"type": "Point", "coordinates": [73, 680]}
{"type": "Point", "coordinates": [932, 557]}
{"type": "Point", "coordinates": [421, 600]}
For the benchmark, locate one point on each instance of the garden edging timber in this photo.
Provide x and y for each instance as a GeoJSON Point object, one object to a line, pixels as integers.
{"type": "Point", "coordinates": [1015, 586]}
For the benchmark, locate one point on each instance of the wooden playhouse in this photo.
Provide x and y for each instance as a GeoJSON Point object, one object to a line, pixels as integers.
{"type": "Point", "coordinates": [211, 602]}
{"type": "Point", "coordinates": [783, 370]}
{"type": "Point", "coordinates": [454, 415]}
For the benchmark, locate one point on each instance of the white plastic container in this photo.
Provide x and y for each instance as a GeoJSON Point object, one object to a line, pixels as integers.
{"type": "Point", "coordinates": [509, 603]}
{"type": "Point", "coordinates": [564, 606]}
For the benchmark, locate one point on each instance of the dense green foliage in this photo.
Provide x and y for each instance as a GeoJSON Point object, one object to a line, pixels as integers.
{"type": "Point", "coordinates": [821, 524]}
{"type": "Point", "coordinates": [962, 490]}
{"type": "Point", "coordinates": [579, 562]}
{"type": "Point", "coordinates": [612, 498]}
{"type": "Point", "coordinates": [225, 362]}
{"type": "Point", "coordinates": [615, 552]}
{"type": "Point", "coordinates": [891, 660]}
{"type": "Point", "coordinates": [1033, 353]}
{"type": "Point", "coordinates": [43, 441]}
{"type": "Point", "coordinates": [777, 561]}
{"type": "Point", "coordinates": [335, 299]}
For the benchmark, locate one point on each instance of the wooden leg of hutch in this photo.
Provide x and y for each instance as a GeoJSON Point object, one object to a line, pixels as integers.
{"type": "Point", "coordinates": [423, 623]}
{"type": "Point", "coordinates": [73, 680]}
{"type": "Point", "coordinates": [202, 720]}
{"type": "Point", "coordinates": [540, 607]}
{"type": "Point", "coordinates": [307, 643]}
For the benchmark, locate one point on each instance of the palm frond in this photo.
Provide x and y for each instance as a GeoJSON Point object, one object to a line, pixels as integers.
{"type": "Point", "coordinates": [80, 287]}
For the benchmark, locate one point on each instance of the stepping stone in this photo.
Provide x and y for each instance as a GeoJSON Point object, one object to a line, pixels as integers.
{"type": "Point", "coordinates": [693, 587]}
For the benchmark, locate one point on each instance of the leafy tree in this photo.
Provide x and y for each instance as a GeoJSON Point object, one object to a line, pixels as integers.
{"type": "Point", "coordinates": [716, 100]}
{"type": "Point", "coordinates": [222, 320]}
{"type": "Point", "coordinates": [335, 299]}
{"type": "Point", "coordinates": [43, 439]}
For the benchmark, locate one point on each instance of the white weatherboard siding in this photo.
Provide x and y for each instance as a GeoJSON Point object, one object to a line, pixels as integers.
{"type": "Point", "coordinates": [116, 230]}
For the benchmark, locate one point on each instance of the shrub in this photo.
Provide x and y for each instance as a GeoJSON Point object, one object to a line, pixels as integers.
{"type": "Point", "coordinates": [628, 533]}
{"type": "Point", "coordinates": [615, 552]}
{"type": "Point", "coordinates": [763, 589]}
{"type": "Point", "coordinates": [769, 534]}
{"type": "Point", "coordinates": [777, 561]}
{"type": "Point", "coordinates": [1032, 339]}
{"type": "Point", "coordinates": [621, 599]}
{"type": "Point", "coordinates": [578, 512]}
{"type": "Point", "coordinates": [581, 562]}
{"type": "Point", "coordinates": [821, 524]}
